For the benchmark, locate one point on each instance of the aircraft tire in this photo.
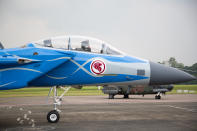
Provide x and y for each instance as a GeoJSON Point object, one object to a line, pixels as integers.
{"type": "Point", "coordinates": [126, 96]}
{"type": "Point", "coordinates": [158, 97]}
{"type": "Point", "coordinates": [53, 116]}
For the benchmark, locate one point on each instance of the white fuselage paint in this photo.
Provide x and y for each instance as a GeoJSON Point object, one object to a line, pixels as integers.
{"type": "Point", "coordinates": [113, 68]}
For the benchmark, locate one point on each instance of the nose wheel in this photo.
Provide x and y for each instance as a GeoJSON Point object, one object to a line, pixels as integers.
{"type": "Point", "coordinates": [54, 116]}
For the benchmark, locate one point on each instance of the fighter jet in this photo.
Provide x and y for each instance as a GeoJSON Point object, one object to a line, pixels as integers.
{"type": "Point", "coordinates": [137, 90]}
{"type": "Point", "coordinates": [77, 61]}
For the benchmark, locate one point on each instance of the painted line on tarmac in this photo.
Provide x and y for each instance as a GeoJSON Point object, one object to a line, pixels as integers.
{"type": "Point", "coordinates": [182, 108]}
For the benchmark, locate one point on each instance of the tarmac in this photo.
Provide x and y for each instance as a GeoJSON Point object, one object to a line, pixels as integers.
{"type": "Point", "coordinates": [88, 113]}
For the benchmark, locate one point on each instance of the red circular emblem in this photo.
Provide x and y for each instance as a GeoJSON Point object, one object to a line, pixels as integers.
{"type": "Point", "coordinates": [97, 67]}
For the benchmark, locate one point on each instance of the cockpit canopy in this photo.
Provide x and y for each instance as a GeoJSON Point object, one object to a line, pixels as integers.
{"type": "Point", "coordinates": [79, 43]}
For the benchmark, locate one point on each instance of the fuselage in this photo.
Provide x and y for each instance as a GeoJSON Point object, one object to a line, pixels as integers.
{"type": "Point", "coordinates": [79, 64]}
{"type": "Point", "coordinates": [76, 70]}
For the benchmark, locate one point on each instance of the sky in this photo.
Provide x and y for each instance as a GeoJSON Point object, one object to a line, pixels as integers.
{"type": "Point", "coordinates": [151, 29]}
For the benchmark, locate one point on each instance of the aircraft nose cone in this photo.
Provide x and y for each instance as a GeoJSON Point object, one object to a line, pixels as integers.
{"type": "Point", "coordinates": [162, 75]}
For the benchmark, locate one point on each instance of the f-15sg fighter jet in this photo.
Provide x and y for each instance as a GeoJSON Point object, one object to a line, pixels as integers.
{"type": "Point", "coordinates": [78, 61]}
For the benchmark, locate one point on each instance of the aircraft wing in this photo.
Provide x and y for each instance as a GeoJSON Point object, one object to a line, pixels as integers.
{"type": "Point", "coordinates": [18, 71]}
{"type": "Point", "coordinates": [14, 60]}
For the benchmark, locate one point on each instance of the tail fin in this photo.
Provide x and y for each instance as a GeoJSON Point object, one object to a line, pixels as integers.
{"type": "Point", "coordinates": [1, 46]}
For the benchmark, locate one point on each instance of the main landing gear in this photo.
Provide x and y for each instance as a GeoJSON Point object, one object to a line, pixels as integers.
{"type": "Point", "coordinates": [111, 96]}
{"type": "Point", "coordinates": [126, 96]}
{"type": "Point", "coordinates": [54, 116]}
{"type": "Point", "coordinates": [158, 96]}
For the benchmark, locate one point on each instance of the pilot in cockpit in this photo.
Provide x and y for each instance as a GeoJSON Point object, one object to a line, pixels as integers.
{"type": "Point", "coordinates": [85, 46]}
{"type": "Point", "coordinates": [103, 49]}
{"type": "Point", "coordinates": [47, 43]}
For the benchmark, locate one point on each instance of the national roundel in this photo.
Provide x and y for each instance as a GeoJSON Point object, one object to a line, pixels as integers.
{"type": "Point", "coordinates": [97, 67]}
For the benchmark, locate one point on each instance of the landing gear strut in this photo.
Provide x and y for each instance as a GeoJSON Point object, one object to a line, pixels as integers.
{"type": "Point", "coordinates": [158, 96]}
{"type": "Point", "coordinates": [54, 116]}
{"type": "Point", "coordinates": [111, 96]}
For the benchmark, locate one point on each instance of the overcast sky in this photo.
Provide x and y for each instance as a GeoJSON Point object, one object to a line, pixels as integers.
{"type": "Point", "coordinates": [151, 29]}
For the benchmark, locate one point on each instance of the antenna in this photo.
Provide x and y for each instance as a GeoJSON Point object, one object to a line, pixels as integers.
{"type": "Point", "coordinates": [69, 46]}
{"type": "Point", "coordinates": [1, 46]}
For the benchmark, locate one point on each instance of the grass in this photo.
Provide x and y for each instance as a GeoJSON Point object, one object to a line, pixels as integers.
{"type": "Point", "coordinates": [91, 90]}
{"type": "Point", "coordinates": [44, 92]}
{"type": "Point", "coordinates": [184, 87]}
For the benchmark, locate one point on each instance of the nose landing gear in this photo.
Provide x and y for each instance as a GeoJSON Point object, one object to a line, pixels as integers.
{"type": "Point", "coordinates": [54, 116]}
